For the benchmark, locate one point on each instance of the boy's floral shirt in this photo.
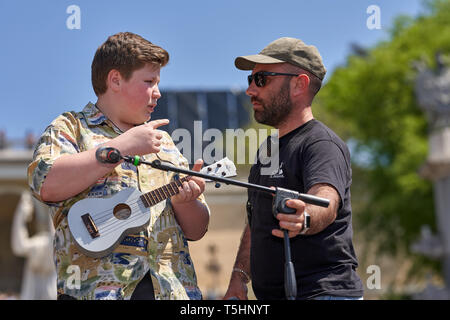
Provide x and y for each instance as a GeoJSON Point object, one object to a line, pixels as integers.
{"type": "Point", "coordinates": [161, 248]}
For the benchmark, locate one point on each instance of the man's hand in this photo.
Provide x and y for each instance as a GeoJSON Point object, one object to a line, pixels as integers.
{"type": "Point", "coordinates": [238, 282]}
{"type": "Point", "coordinates": [237, 288]}
{"type": "Point", "coordinates": [291, 222]}
{"type": "Point", "coordinates": [320, 217]}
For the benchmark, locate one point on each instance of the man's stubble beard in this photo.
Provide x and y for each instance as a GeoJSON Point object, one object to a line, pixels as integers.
{"type": "Point", "coordinates": [277, 109]}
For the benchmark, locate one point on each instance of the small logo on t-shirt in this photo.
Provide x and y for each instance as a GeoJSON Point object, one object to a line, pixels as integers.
{"type": "Point", "coordinates": [279, 172]}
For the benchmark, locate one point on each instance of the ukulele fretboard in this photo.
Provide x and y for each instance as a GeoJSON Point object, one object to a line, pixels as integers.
{"type": "Point", "coordinates": [155, 196]}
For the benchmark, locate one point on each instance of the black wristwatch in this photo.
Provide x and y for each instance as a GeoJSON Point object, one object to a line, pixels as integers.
{"type": "Point", "coordinates": [306, 223]}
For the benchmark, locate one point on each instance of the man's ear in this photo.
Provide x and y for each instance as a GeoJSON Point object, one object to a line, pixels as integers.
{"type": "Point", "coordinates": [113, 80]}
{"type": "Point", "coordinates": [301, 85]}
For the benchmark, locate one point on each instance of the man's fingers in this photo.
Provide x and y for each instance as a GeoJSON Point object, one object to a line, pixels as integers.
{"type": "Point", "coordinates": [277, 233]}
{"type": "Point", "coordinates": [291, 226]}
{"type": "Point", "coordinates": [280, 234]}
{"type": "Point", "coordinates": [295, 204]}
{"type": "Point", "coordinates": [289, 217]}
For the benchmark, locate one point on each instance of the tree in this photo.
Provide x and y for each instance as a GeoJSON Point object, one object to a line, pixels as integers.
{"type": "Point", "coordinates": [372, 103]}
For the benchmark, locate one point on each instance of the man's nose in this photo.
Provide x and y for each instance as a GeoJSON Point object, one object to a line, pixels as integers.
{"type": "Point", "coordinates": [252, 89]}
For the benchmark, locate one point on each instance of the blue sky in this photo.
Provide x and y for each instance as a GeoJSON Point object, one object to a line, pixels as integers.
{"type": "Point", "coordinates": [48, 65]}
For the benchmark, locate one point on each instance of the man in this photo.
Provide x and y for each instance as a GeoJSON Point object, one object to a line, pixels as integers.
{"type": "Point", "coordinates": [154, 263]}
{"type": "Point", "coordinates": [286, 75]}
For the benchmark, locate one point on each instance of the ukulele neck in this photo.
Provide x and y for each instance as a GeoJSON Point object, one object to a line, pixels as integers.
{"type": "Point", "coordinates": [160, 194]}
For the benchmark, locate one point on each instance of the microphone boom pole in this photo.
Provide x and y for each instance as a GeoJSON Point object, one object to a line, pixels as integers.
{"type": "Point", "coordinates": [157, 164]}
{"type": "Point", "coordinates": [112, 155]}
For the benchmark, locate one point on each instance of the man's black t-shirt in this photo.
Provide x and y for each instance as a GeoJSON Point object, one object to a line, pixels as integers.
{"type": "Point", "coordinates": [324, 263]}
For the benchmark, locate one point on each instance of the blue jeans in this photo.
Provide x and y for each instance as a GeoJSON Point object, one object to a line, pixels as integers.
{"type": "Point", "coordinates": [328, 297]}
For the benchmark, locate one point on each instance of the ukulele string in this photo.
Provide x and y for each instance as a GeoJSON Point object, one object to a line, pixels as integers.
{"type": "Point", "coordinates": [102, 216]}
{"type": "Point", "coordinates": [105, 225]}
{"type": "Point", "coordinates": [112, 227]}
{"type": "Point", "coordinates": [106, 228]}
{"type": "Point", "coordinates": [99, 217]}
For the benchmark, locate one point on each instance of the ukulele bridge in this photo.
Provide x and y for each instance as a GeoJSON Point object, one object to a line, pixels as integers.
{"type": "Point", "coordinates": [90, 225]}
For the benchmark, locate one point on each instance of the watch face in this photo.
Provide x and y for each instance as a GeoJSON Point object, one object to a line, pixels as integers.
{"type": "Point", "coordinates": [307, 222]}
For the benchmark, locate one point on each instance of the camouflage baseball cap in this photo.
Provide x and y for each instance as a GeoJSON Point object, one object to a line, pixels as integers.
{"type": "Point", "coordinates": [289, 50]}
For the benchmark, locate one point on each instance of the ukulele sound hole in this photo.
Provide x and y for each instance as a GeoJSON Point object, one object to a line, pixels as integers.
{"type": "Point", "coordinates": [122, 211]}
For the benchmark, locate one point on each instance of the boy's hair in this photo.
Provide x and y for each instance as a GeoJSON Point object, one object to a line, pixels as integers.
{"type": "Point", "coordinates": [124, 52]}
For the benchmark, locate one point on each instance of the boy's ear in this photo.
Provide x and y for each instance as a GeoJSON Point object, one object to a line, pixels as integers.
{"type": "Point", "coordinates": [114, 80]}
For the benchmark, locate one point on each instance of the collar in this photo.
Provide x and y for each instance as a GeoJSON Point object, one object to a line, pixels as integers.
{"type": "Point", "coordinates": [93, 115]}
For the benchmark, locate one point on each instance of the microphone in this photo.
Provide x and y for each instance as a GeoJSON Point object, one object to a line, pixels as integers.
{"type": "Point", "coordinates": [108, 155]}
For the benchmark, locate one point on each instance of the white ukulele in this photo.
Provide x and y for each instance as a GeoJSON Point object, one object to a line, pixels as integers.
{"type": "Point", "coordinates": [99, 225]}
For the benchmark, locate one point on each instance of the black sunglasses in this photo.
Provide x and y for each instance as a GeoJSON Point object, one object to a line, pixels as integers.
{"type": "Point", "coordinates": [260, 77]}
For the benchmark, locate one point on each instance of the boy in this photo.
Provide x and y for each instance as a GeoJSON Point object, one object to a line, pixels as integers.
{"type": "Point", "coordinates": [154, 263]}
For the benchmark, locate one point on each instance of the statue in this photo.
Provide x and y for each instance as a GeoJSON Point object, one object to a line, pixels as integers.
{"type": "Point", "coordinates": [213, 268]}
{"type": "Point", "coordinates": [433, 92]}
{"type": "Point", "coordinates": [433, 96]}
{"type": "Point", "coordinates": [39, 278]}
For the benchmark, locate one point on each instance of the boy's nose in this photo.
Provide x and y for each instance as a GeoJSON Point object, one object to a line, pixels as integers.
{"type": "Point", "coordinates": [156, 93]}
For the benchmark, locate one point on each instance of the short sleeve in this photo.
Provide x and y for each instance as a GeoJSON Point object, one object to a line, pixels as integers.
{"type": "Point", "coordinates": [324, 162]}
{"type": "Point", "coordinates": [59, 138]}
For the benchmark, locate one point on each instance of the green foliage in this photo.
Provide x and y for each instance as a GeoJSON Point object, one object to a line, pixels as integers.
{"type": "Point", "coordinates": [391, 294]}
{"type": "Point", "coordinates": [371, 101]}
